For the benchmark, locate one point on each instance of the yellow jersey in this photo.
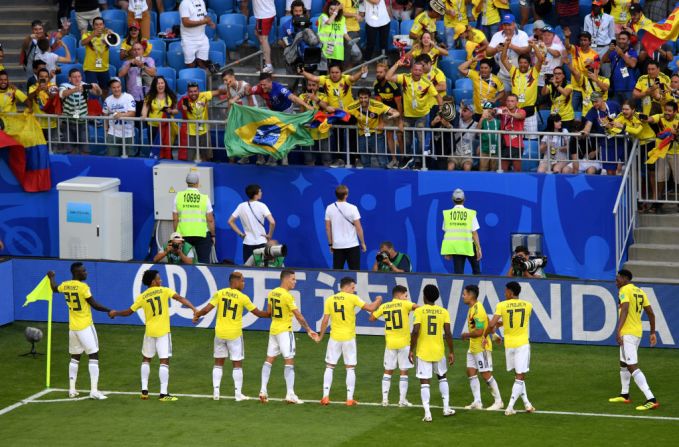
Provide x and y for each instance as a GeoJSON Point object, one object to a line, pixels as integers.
{"type": "Point", "coordinates": [431, 319]}
{"type": "Point", "coordinates": [437, 78]}
{"type": "Point", "coordinates": [281, 305]}
{"type": "Point", "coordinates": [620, 11]}
{"type": "Point", "coordinates": [525, 85]}
{"type": "Point", "coordinates": [581, 60]}
{"type": "Point", "coordinates": [128, 47]}
{"type": "Point", "coordinates": [515, 314]}
{"type": "Point", "coordinates": [645, 83]}
{"type": "Point", "coordinates": [368, 118]}
{"type": "Point", "coordinates": [484, 89]}
{"type": "Point", "coordinates": [417, 95]}
{"type": "Point", "coordinates": [423, 22]}
{"type": "Point", "coordinates": [434, 53]}
{"type": "Point", "coordinates": [39, 102]}
{"type": "Point", "coordinates": [96, 54]}
{"type": "Point", "coordinates": [491, 14]}
{"type": "Point", "coordinates": [561, 104]}
{"type": "Point", "coordinates": [341, 308]}
{"type": "Point", "coordinates": [155, 302]}
{"type": "Point", "coordinates": [637, 300]}
{"type": "Point", "coordinates": [230, 304]}
{"type": "Point", "coordinates": [396, 322]}
{"type": "Point", "coordinates": [79, 311]}
{"type": "Point", "coordinates": [338, 93]}
{"type": "Point", "coordinates": [198, 112]}
{"type": "Point", "coordinates": [663, 124]}
{"type": "Point", "coordinates": [459, 8]}
{"type": "Point", "coordinates": [587, 87]}
{"type": "Point", "coordinates": [156, 109]}
{"type": "Point", "coordinates": [351, 6]}
{"type": "Point", "coordinates": [477, 318]}
{"type": "Point", "coordinates": [9, 98]}
{"type": "Point", "coordinates": [637, 128]}
{"type": "Point", "coordinates": [316, 134]}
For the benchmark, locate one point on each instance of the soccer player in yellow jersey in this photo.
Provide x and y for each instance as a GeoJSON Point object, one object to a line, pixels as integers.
{"type": "Point", "coordinates": [339, 311]}
{"type": "Point", "coordinates": [82, 336]}
{"type": "Point", "coordinates": [397, 335]}
{"type": "Point", "coordinates": [230, 303]}
{"type": "Point", "coordinates": [479, 357]}
{"type": "Point", "coordinates": [633, 301]}
{"type": "Point", "coordinates": [515, 315]}
{"type": "Point", "coordinates": [155, 302]}
{"type": "Point", "coordinates": [282, 307]}
{"type": "Point", "coordinates": [430, 327]}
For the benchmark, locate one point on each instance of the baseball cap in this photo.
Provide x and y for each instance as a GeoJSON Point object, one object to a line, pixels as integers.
{"type": "Point", "coordinates": [547, 29]}
{"type": "Point", "coordinates": [635, 8]}
{"type": "Point", "coordinates": [508, 19]}
{"type": "Point", "coordinates": [176, 235]}
{"type": "Point", "coordinates": [596, 96]}
{"type": "Point", "coordinates": [459, 29]}
{"type": "Point", "coordinates": [458, 194]}
{"type": "Point", "coordinates": [597, 3]}
{"type": "Point", "coordinates": [134, 24]}
{"type": "Point", "coordinates": [113, 79]}
{"type": "Point", "coordinates": [488, 105]}
{"type": "Point", "coordinates": [538, 24]}
{"type": "Point", "coordinates": [192, 178]}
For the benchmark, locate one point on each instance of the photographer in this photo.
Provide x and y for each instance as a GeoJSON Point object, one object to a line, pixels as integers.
{"type": "Point", "coordinates": [390, 260]}
{"type": "Point", "coordinates": [526, 266]}
{"type": "Point", "coordinates": [176, 251]}
{"type": "Point", "coordinates": [74, 95]}
{"type": "Point", "coordinates": [273, 255]}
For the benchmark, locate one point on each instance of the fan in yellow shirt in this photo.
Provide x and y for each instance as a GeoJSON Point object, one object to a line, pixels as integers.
{"type": "Point", "coordinates": [633, 302]}
{"type": "Point", "coordinates": [155, 302]}
{"type": "Point", "coordinates": [524, 78]}
{"type": "Point", "coordinates": [515, 315]}
{"type": "Point", "coordinates": [418, 93]}
{"type": "Point", "coordinates": [282, 307]}
{"type": "Point", "coordinates": [340, 312]}
{"type": "Point", "coordinates": [397, 335]}
{"type": "Point", "coordinates": [335, 85]}
{"type": "Point", "coordinates": [479, 357]}
{"type": "Point", "coordinates": [82, 336]}
{"type": "Point", "coordinates": [652, 88]}
{"type": "Point", "coordinates": [230, 303]}
{"type": "Point", "coordinates": [9, 94]}
{"type": "Point", "coordinates": [486, 87]}
{"type": "Point", "coordinates": [430, 327]}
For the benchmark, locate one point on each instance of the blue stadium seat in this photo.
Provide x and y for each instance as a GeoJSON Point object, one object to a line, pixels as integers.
{"type": "Point", "coordinates": [464, 84]}
{"type": "Point", "coordinates": [158, 56]}
{"type": "Point", "coordinates": [80, 54]}
{"type": "Point", "coordinates": [113, 14]}
{"type": "Point", "coordinates": [114, 57]}
{"type": "Point", "coordinates": [218, 46]}
{"type": "Point", "coordinates": [673, 65]}
{"type": "Point", "coordinates": [65, 68]}
{"type": "Point", "coordinates": [448, 67]}
{"type": "Point", "coordinates": [71, 43]}
{"type": "Point", "coordinates": [405, 26]}
{"type": "Point", "coordinates": [221, 6]}
{"type": "Point", "coordinates": [585, 9]}
{"type": "Point", "coordinates": [457, 54]}
{"type": "Point", "coordinates": [394, 28]}
{"type": "Point", "coordinates": [158, 44]}
{"type": "Point", "coordinates": [234, 19]}
{"type": "Point", "coordinates": [169, 5]}
{"type": "Point", "coordinates": [192, 73]}
{"type": "Point", "coordinates": [175, 56]}
{"type": "Point", "coordinates": [280, 8]}
{"type": "Point", "coordinates": [210, 32]}
{"type": "Point", "coordinates": [515, 8]}
{"type": "Point", "coordinates": [182, 85]}
{"type": "Point", "coordinates": [528, 29]}
{"type": "Point", "coordinates": [170, 76]}
{"type": "Point", "coordinates": [75, 32]}
{"type": "Point", "coordinates": [217, 57]}
{"type": "Point", "coordinates": [119, 26]}
{"type": "Point", "coordinates": [154, 24]}
{"type": "Point", "coordinates": [316, 7]}
{"type": "Point", "coordinates": [168, 19]}
{"type": "Point", "coordinates": [531, 151]}
{"type": "Point", "coordinates": [543, 115]}
{"type": "Point", "coordinates": [282, 25]}
{"type": "Point", "coordinates": [441, 29]}
{"type": "Point", "coordinates": [461, 94]}
{"type": "Point", "coordinates": [450, 88]}
{"type": "Point", "coordinates": [233, 35]}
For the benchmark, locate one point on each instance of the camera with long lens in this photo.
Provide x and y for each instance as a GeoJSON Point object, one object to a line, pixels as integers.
{"type": "Point", "coordinates": [86, 87]}
{"type": "Point", "coordinates": [531, 264]}
{"type": "Point", "coordinates": [272, 251]}
{"type": "Point", "coordinates": [176, 245]}
{"type": "Point", "coordinates": [382, 256]}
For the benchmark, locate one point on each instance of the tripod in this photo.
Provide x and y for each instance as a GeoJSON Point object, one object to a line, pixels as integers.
{"type": "Point", "coordinates": [32, 352]}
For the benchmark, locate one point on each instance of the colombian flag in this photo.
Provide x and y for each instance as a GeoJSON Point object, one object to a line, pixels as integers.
{"type": "Point", "coordinates": [28, 153]}
{"type": "Point", "coordinates": [663, 143]}
{"type": "Point", "coordinates": [253, 130]}
{"type": "Point", "coordinates": [323, 120]}
{"type": "Point", "coordinates": [654, 35]}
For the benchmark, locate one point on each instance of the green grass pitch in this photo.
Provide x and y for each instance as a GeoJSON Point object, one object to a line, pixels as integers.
{"type": "Point", "coordinates": [573, 379]}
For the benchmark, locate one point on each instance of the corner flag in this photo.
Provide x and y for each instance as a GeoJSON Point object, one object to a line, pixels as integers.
{"type": "Point", "coordinates": [43, 292]}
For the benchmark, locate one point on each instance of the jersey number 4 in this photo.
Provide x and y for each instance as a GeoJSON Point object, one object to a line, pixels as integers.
{"type": "Point", "coordinates": [340, 309]}
{"type": "Point", "coordinates": [73, 301]}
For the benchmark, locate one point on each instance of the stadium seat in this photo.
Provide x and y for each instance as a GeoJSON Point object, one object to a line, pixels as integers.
{"type": "Point", "coordinates": [158, 44]}
{"type": "Point", "coordinates": [170, 76]}
{"type": "Point", "coordinates": [314, 23]}
{"type": "Point", "coordinates": [585, 9]}
{"type": "Point", "coordinates": [280, 8]}
{"type": "Point", "coordinates": [217, 57]}
{"type": "Point", "coordinates": [218, 46]}
{"type": "Point", "coordinates": [450, 87]}
{"type": "Point", "coordinates": [441, 29]}
{"type": "Point", "coordinates": [316, 7]}
{"type": "Point", "coordinates": [154, 24]}
{"type": "Point", "coordinates": [113, 14]}
{"type": "Point", "coordinates": [221, 6]}
{"type": "Point", "coordinates": [80, 54]}
{"type": "Point", "coordinates": [175, 56]}
{"type": "Point", "coordinates": [71, 43]}
{"type": "Point", "coordinates": [674, 65]}
{"type": "Point", "coordinates": [65, 68]}
{"type": "Point", "coordinates": [405, 26]}
{"type": "Point", "coordinates": [232, 35]}
{"type": "Point", "coordinates": [530, 155]}
{"type": "Point", "coordinates": [118, 26]}
{"type": "Point", "coordinates": [182, 85]}
{"type": "Point", "coordinates": [543, 115]}
{"type": "Point", "coordinates": [394, 27]}
{"type": "Point", "coordinates": [168, 19]}
{"type": "Point", "coordinates": [515, 8]}
{"type": "Point", "coordinates": [457, 54]}
{"type": "Point", "coordinates": [192, 73]}
{"type": "Point", "coordinates": [75, 32]}
{"type": "Point", "coordinates": [461, 94]}
{"type": "Point", "coordinates": [114, 57]}
{"type": "Point", "coordinates": [528, 29]}
{"type": "Point", "coordinates": [234, 19]}
{"type": "Point", "coordinates": [169, 5]}
{"type": "Point", "coordinates": [464, 84]}
{"type": "Point", "coordinates": [448, 67]}
{"type": "Point", "coordinates": [282, 25]}
{"type": "Point", "coordinates": [158, 57]}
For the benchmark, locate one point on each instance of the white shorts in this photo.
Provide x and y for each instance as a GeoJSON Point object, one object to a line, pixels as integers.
{"type": "Point", "coordinates": [162, 346]}
{"type": "Point", "coordinates": [233, 349]}
{"type": "Point", "coordinates": [480, 361]}
{"type": "Point", "coordinates": [196, 49]}
{"type": "Point", "coordinates": [425, 369]}
{"type": "Point", "coordinates": [530, 124]}
{"type": "Point", "coordinates": [347, 349]}
{"type": "Point", "coordinates": [584, 165]}
{"type": "Point", "coordinates": [394, 357]}
{"type": "Point", "coordinates": [84, 340]}
{"type": "Point", "coordinates": [628, 350]}
{"type": "Point", "coordinates": [518, 359]}
{"type": "Point", "coordinates": [281, 344]}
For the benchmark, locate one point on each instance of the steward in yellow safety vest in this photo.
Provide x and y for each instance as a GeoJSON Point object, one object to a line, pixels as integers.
{"type": "Point", "coordinates": [193, 218]}
{"type": "Point", "coordinates": [460, 236]}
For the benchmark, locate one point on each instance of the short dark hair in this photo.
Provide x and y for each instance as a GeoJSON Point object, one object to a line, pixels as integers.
{"type": "Point", "coordinates": [38, 62]}
{"type": "Point", "coordinates": [228, 71]}
{"type": "Point", "coordinates": [363, 91]}
{"type": "Point", "coordinates": [346, 281]}
{"type": "Point", "coordinates": [486, 61]}
{"type": "Point", "coordinates": [149, 277]}
{"type": "Point", "coordinates": [524, 57]}
{"type": "Point", "coordinates": [252, 190]}
{"type": "Point", "coordinates": [625, 274]}
{"type": "Point", "coordinates": [521, 249]}
{"type": "Point", "coordinates": [387, 244]}
{"type": "Point", "coordinates": [399, 289]}
{"type": "Point", "coordinates": [36, 22]}
{"type": "Point", "coordinates": [341, 192]}
{"type": "Point", "coordinates": [73, 70]}
{"type": "Point", "coordinates": [235, 275]}
{"type": "Point", "coordinates": [263, 76]}
{"type": "Point", "coordinates": [4, 73]}
{"type": "Point", "coordinates": [652, 62]}
{"type": "Point", "coordinates": [472, 288]}
{"type": "Point", "coordinates": [514, 287]}
{"type": "Point", "coordinates": [45, 70]}
{"type": "Point", "coordinates": [335, 64]}
{"type": "Point", "coordinates": [96, 19]}
{"type": "Point", "coordinates": [286, 273]}
{"type": "Point", "coordinates": [75, 266]}
{"type": "Point", "coordinates": [423, 59]}
{"type": "Point", "coordinates": [586, 35]}
{"type": "Point", "coordinates": [297, 4]}
{"type": "Point", "coordinates": [44, 44]}
{"type": "Point", "coordinates": [431, 293]}
{"type": "Point", "coordinates": [672, 104]}
{"type": "Point", "coordinates": [513, 95]}
{"type": "Point", "coordinates": [625, 33]}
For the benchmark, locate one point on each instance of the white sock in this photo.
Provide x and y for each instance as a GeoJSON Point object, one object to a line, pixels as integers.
{"type": "Point", "coordinates": [217, 372]}
{"type": "Point", "coordinates": [327, 381]}
{"type": "Point", "coordinates": [164, 376]}
{"type": "Point", "coordinates": [351, 383]}
{"type": "Point", "coordinates": [403, 389]}
{"type": "Point", "coordinates": [640, 380]}
{"type": "Point", "coordinates": [289, 374]}
{"type": "Point", "coordinates": [475, 385]}
{"type": "Point", "coordinates": [72, 374]}
{"type": "Point", "coordinates": [524, 397]}
{"type": "Point", "coordinates": [424, 394]}
{"type": "Point", "coordinates": [517, 390]}
{"type": "Point", "coordinates": [94, 375]}
{"type": "Point", "coordinates": [266, 372]}
{"type": "Point", "coordinates": [445, 393]}
{"type": "Point", "coordinates": [625, 378]}
{"type": "Point", "coordinates": [386, 384]}
{"type": "Point", "coordinates": [494, 390]}
{"type": "Point", "coordinates": [145, 372]}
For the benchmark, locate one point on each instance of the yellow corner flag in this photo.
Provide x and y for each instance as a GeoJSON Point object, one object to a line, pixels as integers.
{"type": "Point", "coordinates": [43, 291]}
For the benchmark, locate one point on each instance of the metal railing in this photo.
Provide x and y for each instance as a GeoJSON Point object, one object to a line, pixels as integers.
{"type": "Point", "coordinates": [625, 208]}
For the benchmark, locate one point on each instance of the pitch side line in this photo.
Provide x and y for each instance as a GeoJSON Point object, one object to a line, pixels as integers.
{"type": "Point", "coordinates": [361, 404]}
{"type": "Point", "coordinates": [28, 400]}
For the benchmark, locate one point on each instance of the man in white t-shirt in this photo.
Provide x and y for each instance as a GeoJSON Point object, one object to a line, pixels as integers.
{"type": "Point", "coordinates": [553, 48]}
{"type": "Point", "coordinates": [518, 45]}
{"type": "Point", "coordinates": [265, 13]}
{"type": "Point", "coordinates": [195, 44]}
{"type": "Point", "coordinates": [119, 105]}
{"type": "Point", "coordinates": [344, 230]}
{"type": "Point", "coordinates": [252, 215]}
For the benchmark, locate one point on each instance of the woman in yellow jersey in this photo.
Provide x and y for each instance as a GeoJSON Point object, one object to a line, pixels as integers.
{"type": "Point", "coordinates": [427, 45]}
{"type": "Point", "coordinates": [133, 36]}
{"type": "Point", "coordinates": [621, 13]}
{"type": "Point", "coordinates": [160, 102]}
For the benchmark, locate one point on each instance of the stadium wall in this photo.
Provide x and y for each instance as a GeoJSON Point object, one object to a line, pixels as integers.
{"type": "Point", "coordinates": [574, 213]}
{"type": "Point", "coordinates": [574, 312]}
{"type": "Point", "coordinates": [7, 293]}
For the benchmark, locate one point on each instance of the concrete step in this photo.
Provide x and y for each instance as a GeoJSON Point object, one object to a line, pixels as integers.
{"type": "Point", "coordinates": [656, 235]}
{"type": "Point", "coordinates": [639, 279]}
{"type": "Point", "coordinates": [653, 269]}
{"type": "Point", "coordinates": [654, 252]}
{"type": "Point", "coordinates": [21, 11]}
{"type": "Point", "coordinates": [659, 220]}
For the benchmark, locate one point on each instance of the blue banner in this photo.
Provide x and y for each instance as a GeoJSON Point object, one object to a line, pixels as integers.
{"type": "Point", "coordinates": [580, 312]}
{"type": "Point", "coordinates": [572, 212]}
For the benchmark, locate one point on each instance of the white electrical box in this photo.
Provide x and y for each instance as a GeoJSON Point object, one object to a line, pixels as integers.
{"type": "Point", "coordinates": [95, 219]}
{"type": "Point", "coordinates": [170, 178]}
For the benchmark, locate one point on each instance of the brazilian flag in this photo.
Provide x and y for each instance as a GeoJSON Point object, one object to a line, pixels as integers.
{"type": "Point", "coordinates": [253, 131]}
